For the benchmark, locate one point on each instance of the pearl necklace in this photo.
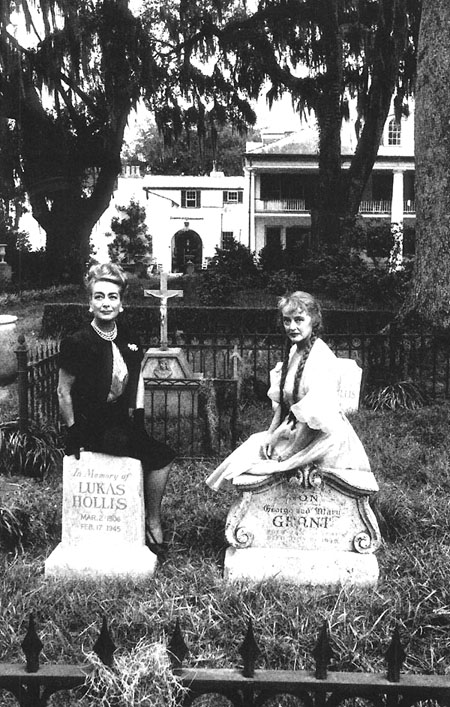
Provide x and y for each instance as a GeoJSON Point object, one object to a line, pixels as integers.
{"type": "Point", "coordinates": [106, 335]}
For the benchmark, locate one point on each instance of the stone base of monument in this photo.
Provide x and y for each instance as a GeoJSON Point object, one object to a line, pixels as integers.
{"type": "Point", "coordinates": [171, 387]}
{"type": "Point", "coordinates": [301, 567]}
{"type": "Point", "coordinates": [100, 561]}
{"type": "Point", "coordinates": [103, 520]}
{"type": "Point", "coordinates": [308, 527]}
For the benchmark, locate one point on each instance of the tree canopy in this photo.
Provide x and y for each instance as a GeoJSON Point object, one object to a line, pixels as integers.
{"type": "Point", "coordinates": [66, 92]}
{"type": "Point", "coordinates": [323, 53]}
{"type": "Point", "coordinates": [189, 154]}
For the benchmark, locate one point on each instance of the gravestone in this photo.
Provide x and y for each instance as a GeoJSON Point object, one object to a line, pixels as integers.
{"type": "Point", "coordinates": [162, 367]}
{"type": "Point", "coordinates": [349, 384]}
{"type": "Point", "coordinates": [308, 528]}
{"type": "Point", "coordinates": [103, 520]}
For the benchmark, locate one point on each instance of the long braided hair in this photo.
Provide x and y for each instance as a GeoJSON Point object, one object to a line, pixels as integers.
{"type": "Point", "coordinates": [304, 302]}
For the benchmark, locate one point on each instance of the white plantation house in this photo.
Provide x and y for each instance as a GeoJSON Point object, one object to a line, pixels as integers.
{"type": "Point", "coordinates": [280, 173]}
{"type": "Point", "coordinates": [188, 216]}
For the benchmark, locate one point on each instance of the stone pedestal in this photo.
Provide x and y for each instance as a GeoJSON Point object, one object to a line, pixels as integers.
{"type": "Point", "coordinates": [161, 368]}
{"type": "Point", "coordinates": [5, 274]}
{"type": "Point", "coordinates": [308, 527]}
{"type": "Point", "coordinates": [103, 520]}
{"type": "Point", "coordinates": [8, 343]}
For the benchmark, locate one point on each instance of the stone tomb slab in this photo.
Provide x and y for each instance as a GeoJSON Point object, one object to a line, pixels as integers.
{"type": "Point", "coordinates": [171, 387]}
{"type": "Point", "coordinates": [103, 519]}
{"type": "Point", "coordinates": [310, 535]}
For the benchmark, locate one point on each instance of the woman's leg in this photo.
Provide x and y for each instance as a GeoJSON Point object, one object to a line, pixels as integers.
{"type": "Point", "coordinates": [154, 486]}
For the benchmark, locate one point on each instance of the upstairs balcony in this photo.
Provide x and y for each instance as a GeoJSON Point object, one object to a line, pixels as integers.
{"type": "Point", "coordinates": [383, 206]}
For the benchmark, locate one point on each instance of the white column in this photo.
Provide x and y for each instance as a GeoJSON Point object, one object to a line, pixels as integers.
{"type": "Point", "coordinates": [396, 254]}
{"type": "Point", "coordinates": [397, 197]}
{"type": "Point", "coordinates": [251, 232]}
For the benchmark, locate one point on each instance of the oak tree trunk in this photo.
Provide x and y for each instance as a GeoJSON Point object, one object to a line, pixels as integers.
{"type": "Point", "coordinates": [429, 301]}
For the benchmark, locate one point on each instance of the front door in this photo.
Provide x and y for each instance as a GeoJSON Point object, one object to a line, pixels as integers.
{"type": "Point", "coordinates": [186, 247]}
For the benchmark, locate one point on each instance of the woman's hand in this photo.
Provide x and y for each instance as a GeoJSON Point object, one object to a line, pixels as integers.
{"type": "Point", "coordinates": [73, 441]}
{"type": "Point", "coordinates": [139, 420]}
{"type": "Point", "coordinates": [267, 446]}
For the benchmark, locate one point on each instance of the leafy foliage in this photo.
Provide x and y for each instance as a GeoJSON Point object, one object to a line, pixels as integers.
{"type": "Point", "coordinates": [335, 274]}
{"type": "Point", "coordinates": [190, 153]}
{"type": "Point", "coordinates": [35, 453]}
{"type": "Point", "coordinates": [231, 268]}
{"type": "Point", "coordinates": [403, 395]}
{"type": "Point", "coordinates": [132, 243]}
{"type": "Point", "coordinates": [363, 50]}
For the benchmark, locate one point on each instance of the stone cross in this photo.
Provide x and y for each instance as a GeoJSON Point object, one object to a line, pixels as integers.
{"type": "Point", "coordinates": [163, 294]}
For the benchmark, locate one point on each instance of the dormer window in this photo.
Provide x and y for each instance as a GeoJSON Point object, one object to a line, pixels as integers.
{"type": "Point", "coordinates": [394, 132]}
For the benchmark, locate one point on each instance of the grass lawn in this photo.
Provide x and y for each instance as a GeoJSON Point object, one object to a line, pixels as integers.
{"type": "Point", "coordinates": [410, 454]}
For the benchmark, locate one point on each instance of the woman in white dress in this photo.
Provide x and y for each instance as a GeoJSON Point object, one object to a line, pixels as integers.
{"type": "Point", "coordinates": [308, 425]}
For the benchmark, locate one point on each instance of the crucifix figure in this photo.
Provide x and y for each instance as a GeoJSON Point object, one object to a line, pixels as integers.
{"type": "Point", "coordinates": [163, 294]}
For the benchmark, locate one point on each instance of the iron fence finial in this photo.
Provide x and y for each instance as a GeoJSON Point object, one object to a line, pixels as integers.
{"type": "Point", "coordinates": [104, 646]}
{"type": "Point", "coordinates": [249, 651]}
{"type": "Point", "coordinates": [177, 647]}
{"type": "Point", "coordinates": [32, 646]}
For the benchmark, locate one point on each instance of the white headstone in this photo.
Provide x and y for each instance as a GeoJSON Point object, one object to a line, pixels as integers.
{"type": "Point", "coordinates": [349, 384]}
{"type": "Point", "coordinates": [103, 531]}
{"type": "Point", "coordinates": [312, 531]}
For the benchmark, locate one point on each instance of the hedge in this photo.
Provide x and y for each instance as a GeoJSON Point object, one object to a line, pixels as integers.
{"type": "Point", "coordinates": [60, 319]}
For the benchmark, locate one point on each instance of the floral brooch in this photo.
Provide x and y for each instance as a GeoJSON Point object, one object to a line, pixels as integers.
{"type": "Point", "coordinates": [133, 347]}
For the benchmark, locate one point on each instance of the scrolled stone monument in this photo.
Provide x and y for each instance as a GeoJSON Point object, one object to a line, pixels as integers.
{"type": "Point", "coordinates": [308, 527]}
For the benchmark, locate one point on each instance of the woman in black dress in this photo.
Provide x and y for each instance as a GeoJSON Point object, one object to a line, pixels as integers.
{"type": "Point", "coordinates": [101, 393]}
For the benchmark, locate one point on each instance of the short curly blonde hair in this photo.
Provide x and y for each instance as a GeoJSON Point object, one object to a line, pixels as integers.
{"type": "Point", "coordinates": [109, 272]}
{"type": "Point", "coordinates": [306, 303]}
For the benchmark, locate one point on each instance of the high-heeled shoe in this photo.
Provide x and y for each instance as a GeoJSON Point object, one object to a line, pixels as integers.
{"type": "Point", "coordinates": [158, 548]}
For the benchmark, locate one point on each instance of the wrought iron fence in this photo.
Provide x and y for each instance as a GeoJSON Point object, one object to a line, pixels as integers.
{"type": "Point", "coordinates": [244, 686]}
{"type": "Point", "coordinates": [196, 417]}
{"type": "Point", "coordinates": [245, 362]}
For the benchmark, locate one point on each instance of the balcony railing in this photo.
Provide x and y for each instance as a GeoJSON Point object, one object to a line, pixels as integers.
{"type": "Point", "coordinates": [409, 206]}
{"type": "Point", "coordinates": [368, 206]}
{"type": "Point", "coordinates": [375, 207]}
{"type": "Point", "coordinates": [282, 205]}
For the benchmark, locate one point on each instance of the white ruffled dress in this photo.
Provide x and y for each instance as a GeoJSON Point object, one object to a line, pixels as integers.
{"type": "Point", "coordinates": [322, 436]}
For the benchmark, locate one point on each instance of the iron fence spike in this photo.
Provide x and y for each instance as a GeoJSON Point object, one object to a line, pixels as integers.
{"type": "Point", "coordinates": [104, 646]}
{"type": "Point", "coordinates": [249, 651]}
{"type": "Point", "coordinates": [177, 648]}
{"type": "Point", "coordinates": [32, 646]}
{"type": "Point", "coordinates": [323, 653]}
{"type": "Point", "coordinates": [395, 657]}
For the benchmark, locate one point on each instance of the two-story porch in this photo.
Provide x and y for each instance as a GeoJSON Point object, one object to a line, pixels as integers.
{"type": "Point", "coordinates": [281, 178]}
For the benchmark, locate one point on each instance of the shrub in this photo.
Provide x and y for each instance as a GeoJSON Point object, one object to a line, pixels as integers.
{"type": "Point", "coordinates": [30, 515]}
{"type": "Point", "coordinates": [235, 259]}
{"type": "Point", "coordinates": [403, 395]}
{"type": "Point", "coordinates": [132, 242]}
{"type": "Point", "coordinates": [34, 453]}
